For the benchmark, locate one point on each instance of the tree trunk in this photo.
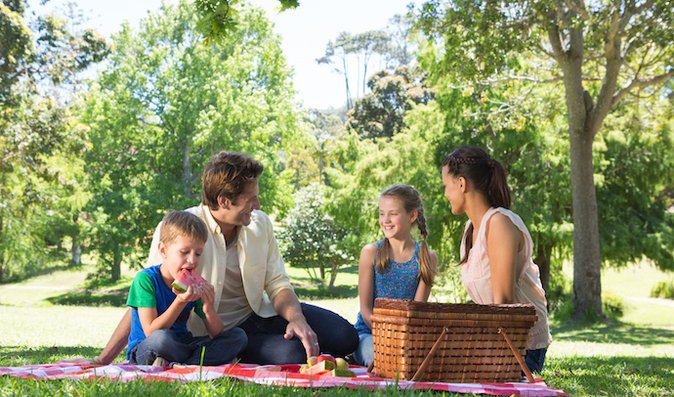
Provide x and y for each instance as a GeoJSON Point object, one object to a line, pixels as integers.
{"type": "Point", "coordinates": [76, 251]}
{"type": "Point", "coordinates": [187, 170]}
{"type": "Point", "coordinates": [333, 274]}
{"type": "Point", "coordinates": [543, 252]}
{"type": "Point", "coordinates": [2, 254]}
{"type": "Point", "coordinates": [586, 259]}
{"type": "Point", "coordinates": [76, 248]}
{"type": "Point", "coordinates": [116, 271]}
{"type": "Point", "coordinates": [586, 256]}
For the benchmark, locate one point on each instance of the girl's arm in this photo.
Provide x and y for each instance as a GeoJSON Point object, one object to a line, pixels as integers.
{"type": "Point", "coordinates": [423, 289]}
{"type": "Point", "coordinates": [504, 241]}
{"type": "Point", "coordinates": [213, 323]}
{"type": "Point", "coordinates": [366, 282]}
{"type": "Point", "coordinates": [151, 322]}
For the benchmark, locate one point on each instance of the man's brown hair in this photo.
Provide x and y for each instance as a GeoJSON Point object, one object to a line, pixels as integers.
{"type": "Point", "coordinates": [227, 174]}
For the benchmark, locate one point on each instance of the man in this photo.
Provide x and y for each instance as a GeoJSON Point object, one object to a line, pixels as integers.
{"type": "Point", "coordinates": [252, 290]}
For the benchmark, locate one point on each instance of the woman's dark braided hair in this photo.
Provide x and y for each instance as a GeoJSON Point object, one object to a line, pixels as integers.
{"type": "Point", "coordinates": [486, 176]}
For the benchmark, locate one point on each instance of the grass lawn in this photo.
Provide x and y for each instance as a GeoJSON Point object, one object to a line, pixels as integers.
{"type": "Point", "coordinates": [51, 317]}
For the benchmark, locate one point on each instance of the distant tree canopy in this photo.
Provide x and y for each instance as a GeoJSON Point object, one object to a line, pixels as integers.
{"type": "Point", "coordinates": [40, 153]}
{"type": "Point", "coordinates": [164, 105]}
{"type": "Point", "coordinates": [380, 112]}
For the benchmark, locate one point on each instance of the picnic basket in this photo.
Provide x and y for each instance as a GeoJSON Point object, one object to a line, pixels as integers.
{"type": "Point", "coordinates": [450, 342]}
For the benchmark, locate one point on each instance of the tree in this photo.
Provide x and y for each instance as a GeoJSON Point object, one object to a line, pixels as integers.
{"type": "Point", "coordinates": [380, 113]}
{"type": "Point", "coordinates": [216, 18]}
{"type": "Point", "coordinates": [311, 239]}
{"type": "Point", "coordinates": [40, 171]}
{"type": "Point", "coordinates": [164, 105]}
{"type": "Point", "coordinates": [600, 52]}
{"type": "Point", "coordinates": [362, 46]}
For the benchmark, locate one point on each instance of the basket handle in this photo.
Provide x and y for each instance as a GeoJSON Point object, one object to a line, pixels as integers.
{"type": "Point", "coordinates": [518, 357]}
{"type": "Point", "coordinates": [429, 356]}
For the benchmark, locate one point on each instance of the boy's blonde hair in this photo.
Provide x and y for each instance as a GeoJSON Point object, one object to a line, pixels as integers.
{"type": "Point", "coordinates": [182, 223]}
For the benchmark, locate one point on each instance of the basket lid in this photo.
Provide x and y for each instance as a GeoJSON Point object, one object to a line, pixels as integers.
{"type": "Point", "coordinates": [416, 306]}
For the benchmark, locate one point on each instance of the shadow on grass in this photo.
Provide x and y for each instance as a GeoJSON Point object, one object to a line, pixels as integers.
{"type": "Point", "coordinates": [612, 333]}
{"type": "Point", "coordinates": [115, 298]}
{"type": "Point", "coordinates": [611, 376]}
{"type": "Point", "coordinates": [320, 292]}
{"type": "Point", "coordinates": [14, 356]}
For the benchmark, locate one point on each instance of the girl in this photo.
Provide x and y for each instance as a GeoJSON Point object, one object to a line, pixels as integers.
{"type": "Point", "coordinates": [395, 267]}
{"type": "Point", "coordinates": [496, 247]}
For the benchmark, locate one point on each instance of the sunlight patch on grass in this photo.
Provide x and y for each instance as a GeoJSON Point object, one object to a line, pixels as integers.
{"type": "Point", "coordinates": [58, 325]}
{"type": "Point", "coordinates": [634, 280]}
{"type": "Point", "coordinates": [593, 349]}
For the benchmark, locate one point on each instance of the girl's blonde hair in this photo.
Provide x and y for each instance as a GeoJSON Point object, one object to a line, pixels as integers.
{"type": "Point", "coordinates": [411, 200]}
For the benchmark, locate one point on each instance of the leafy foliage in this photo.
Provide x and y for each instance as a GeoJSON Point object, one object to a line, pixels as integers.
{"type": "Point", "coordinates": [165, 104]}
{"type": "Point", "coordinates": [41, 181]}
{"type": "Point", "coordinates": [663, 289]}
{"type": "Point", "coordinates": [311, 239]}
{"type": "Point", "coordinates": [380, 113]}
{"type": "Point", "coordinates": [601, 51]}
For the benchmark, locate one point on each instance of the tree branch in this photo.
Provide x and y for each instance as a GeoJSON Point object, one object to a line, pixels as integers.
{"type": "Point", "coordinates": [641, 84]}
{"type": "Point", "coordinates": [578, 8]}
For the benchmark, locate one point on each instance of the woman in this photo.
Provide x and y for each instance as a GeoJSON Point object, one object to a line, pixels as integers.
{"type": "Point", "coordinates": [496, 247]}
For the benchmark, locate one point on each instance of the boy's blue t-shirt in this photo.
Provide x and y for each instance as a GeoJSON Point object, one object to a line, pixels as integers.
{"type": "Point", "coordinates": [148, 289]}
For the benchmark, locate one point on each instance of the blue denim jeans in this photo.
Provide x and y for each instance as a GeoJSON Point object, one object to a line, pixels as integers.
{"type": "Point", "coordinates": [266, 344]}
{"type": "Point", "coordinates": [187, 350]}
{"type": "Point", "coordinates": [535, 359]}
{"type": "Point", "coordinates": [364, 355]}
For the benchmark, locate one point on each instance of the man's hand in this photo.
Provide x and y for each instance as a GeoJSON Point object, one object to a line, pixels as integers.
{"type": "Point", "coordinates": [300, 329]}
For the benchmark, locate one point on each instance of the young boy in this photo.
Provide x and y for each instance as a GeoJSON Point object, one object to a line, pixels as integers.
{"type": "Point", "coordinates": [159, 332]}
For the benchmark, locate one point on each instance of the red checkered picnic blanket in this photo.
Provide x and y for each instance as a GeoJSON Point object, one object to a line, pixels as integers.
{"type": "Point", "coordinates": [275, 375]}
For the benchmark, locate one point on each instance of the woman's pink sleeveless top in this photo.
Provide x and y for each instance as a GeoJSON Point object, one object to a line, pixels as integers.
{"type": "Point", "coordinates": [476, 276]}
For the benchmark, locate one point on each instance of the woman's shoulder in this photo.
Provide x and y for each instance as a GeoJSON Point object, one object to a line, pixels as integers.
{"type": "Point", "coordinates": [501, 220]}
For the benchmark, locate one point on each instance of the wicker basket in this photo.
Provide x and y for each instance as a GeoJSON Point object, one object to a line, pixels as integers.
{"type": "Point", "coordinates": [466, 342]}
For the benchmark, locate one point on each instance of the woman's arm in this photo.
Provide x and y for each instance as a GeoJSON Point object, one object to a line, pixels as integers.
{"type": "Point", "coordinates": [504, 241]}
{"type": "Point", "coordinates": [366, 282]}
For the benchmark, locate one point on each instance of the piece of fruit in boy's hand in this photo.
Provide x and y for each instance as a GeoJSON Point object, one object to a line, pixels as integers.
{"type": "Point", "coordinates": [188, 279]}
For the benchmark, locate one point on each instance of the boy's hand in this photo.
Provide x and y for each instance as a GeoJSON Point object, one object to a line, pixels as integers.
{"type": "Point", "coordinates": [207, 296]}
{"type": "Point", "coordinates": [188, 296]}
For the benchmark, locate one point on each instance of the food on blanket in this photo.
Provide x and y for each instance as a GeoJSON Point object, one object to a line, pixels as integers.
{"type": "Point", "coordinates": [345, 373]}
{"type": "Point", "coordinates": [327, 365]}
{"type": "Point", "coordinates": [325, 357]}
{"type": "Point", "coordinates": [318, 368]}
{"type": "Point", "coordinates": [187, 278]}
{"type": "Point", "coordinates": [341, 363]}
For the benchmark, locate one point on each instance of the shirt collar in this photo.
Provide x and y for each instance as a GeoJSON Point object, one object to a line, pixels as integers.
{"type": "Point", "coordinates": [210, 221]}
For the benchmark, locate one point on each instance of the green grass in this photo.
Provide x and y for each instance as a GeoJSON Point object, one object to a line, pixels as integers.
{"type": "Point", "coordinates": [52, 317]}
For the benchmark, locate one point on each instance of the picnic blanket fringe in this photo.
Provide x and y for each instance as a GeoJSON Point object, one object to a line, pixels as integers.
{"type": "Point", "coordinates": [273, 375]}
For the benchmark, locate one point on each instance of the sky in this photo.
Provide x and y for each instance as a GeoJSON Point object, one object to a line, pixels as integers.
{"type": "Point", "coordinates": [305, 32]}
